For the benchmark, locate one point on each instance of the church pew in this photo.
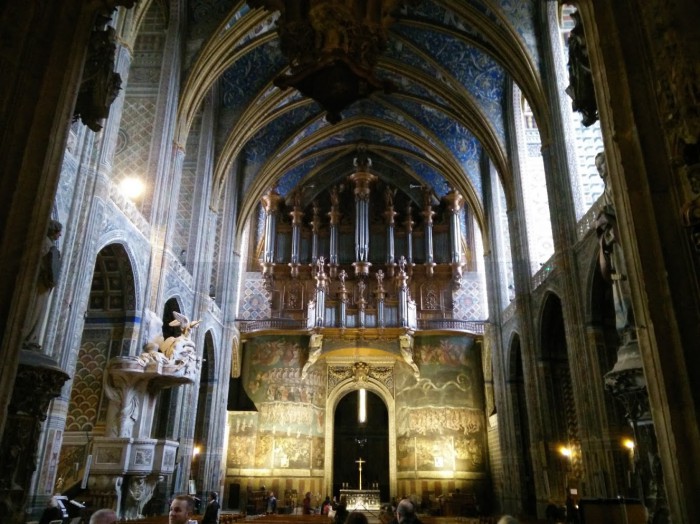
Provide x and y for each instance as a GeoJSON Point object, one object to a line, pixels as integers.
{"type": "Point", "coordinates": [290, 519]}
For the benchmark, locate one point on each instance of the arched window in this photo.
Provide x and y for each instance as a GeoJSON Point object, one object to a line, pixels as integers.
{"type": "Point", "coordinates": [533, 184]}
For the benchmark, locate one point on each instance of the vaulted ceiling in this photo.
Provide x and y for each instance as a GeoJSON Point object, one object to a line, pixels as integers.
{"type": "Point", "coordinates": [452, 62]}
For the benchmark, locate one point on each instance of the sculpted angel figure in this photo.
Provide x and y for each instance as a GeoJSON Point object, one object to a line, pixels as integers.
{"type": "Point", "coordinates": [177, 347]}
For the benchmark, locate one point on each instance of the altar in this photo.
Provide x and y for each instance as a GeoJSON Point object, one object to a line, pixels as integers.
{"type": "Point", "coordinates": [361, 499]}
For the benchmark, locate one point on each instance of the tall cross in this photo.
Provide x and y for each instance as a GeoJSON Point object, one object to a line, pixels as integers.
{"type": "Point", "coordinates": [360, 462]}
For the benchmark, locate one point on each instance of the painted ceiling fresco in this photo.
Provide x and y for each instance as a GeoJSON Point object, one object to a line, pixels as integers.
{"type": "Point", "coordinates": [450, 60]}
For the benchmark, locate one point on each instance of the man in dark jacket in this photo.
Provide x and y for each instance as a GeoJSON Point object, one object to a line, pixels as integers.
{"type": "Point", "coordinates": [211, 514]}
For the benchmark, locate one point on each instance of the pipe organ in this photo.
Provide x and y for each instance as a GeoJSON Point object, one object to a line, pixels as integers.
{"type": "Point", "coordinates": [349, 255]}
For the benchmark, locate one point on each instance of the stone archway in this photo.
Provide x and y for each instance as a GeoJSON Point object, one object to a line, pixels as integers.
{"type": "Point", "coordinates": [375, 376]}
{"type": "Point", "coordinates": [355, 440]}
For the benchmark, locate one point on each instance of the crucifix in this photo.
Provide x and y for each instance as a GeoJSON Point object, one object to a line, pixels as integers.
{"type": "Point", "coordinates": [360, 462]}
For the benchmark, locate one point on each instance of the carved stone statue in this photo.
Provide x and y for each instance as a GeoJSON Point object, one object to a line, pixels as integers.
{"type": "Point", "coordinates": [380, 281]}
{"type": "Point", "coordinates": [406, 346]}
{"type": "Point", "coordinates": [100, 84]}
{"type": "Point", "coordinates": [611, 257]}
{"type": "Point", "coordinates": [181, 350]}
{"type": "Point", "coordinates": [125, 407]}
{"type": "Point", "coordinates": [315, 348]}
{"type": "Point", "coordinates": [402, 264]}
{"type": "Point", "coordinates": [139, 491]}
{"type": "Point", "coordinates": [580, 78]}
{"type": "Point", "coordinates": [49, 272]}
{"type": "Point", "coordinates": [388, 197]}
{"type": "Point", "coordinates": [151, 354]}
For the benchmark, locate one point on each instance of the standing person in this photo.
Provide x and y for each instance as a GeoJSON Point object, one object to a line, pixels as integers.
{"type": "Point", "coordinates": [341, 512]}
{"type": "Point", "coordinates": [326, 506]}
{"type": "Point", "coordinates": [104, 516]}
{"type": "Point", "coordinates": [307, 503]}
{"type": "Point", "coordinates": [181, 510]}
{"type": "Point", "coordinates": [271, 503]}
{"type": "Point", "coordinates": [211, 513]}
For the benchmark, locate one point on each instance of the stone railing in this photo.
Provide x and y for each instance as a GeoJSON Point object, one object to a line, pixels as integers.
{"type": "Point", "coordinates": [475, 327]}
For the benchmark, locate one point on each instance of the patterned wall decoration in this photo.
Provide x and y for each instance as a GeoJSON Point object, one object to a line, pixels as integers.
{"type": "Point", "coordinates": [86, 392]}
{"type": "Point", "coordinates": [140, 101]}
{"type": "Point", "coordinates": [135, 135]}
{"type": "Point", "coordinates": [185, 201]}
{"type": "Point", "coordinates": [254, 301]}
{"type": "Point", "coordinates": [440, 421]}
{"type": "Point", "coordinates": [468, 300]}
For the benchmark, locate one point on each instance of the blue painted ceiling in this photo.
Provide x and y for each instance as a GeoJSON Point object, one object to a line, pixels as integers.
{"type": "Point", "coordinates": [447, 113]}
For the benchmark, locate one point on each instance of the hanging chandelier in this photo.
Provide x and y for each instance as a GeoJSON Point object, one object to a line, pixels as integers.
{"type": "Point", "coordinates": [332, 47]}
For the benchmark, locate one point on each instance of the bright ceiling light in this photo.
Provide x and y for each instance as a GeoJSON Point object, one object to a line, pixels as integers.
{"type": "Point", "coordinates": [131, 187]}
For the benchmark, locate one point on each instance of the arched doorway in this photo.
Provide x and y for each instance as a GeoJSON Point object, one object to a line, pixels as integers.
{"type": "Point", "coordinates": [355, 440]}
{"type": "Point", "coordinates": [334, 397]}
{"type": "Point", "coordinates": [563, 463]}
{"type": "Point", "coordinates": [107, 333]}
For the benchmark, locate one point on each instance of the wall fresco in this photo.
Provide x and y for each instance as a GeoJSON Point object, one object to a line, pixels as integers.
{"type": "Point", "coordinates": [440, 422]}
{"type": "Point", "coordinates": [288, 429]}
